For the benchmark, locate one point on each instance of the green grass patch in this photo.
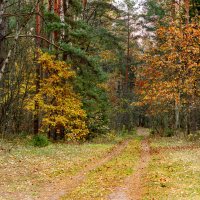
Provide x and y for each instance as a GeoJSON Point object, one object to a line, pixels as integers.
{"type": "Point", "coordinates": [101, 181]}
{"type": "Point", "coordinates": [25, 169]}
{"type": "Point", "coordinates": [173, 174]}
{"type": "Point", "coordinates": [115, 137]}
{"type": "Point", "coordinates": [169, 142]}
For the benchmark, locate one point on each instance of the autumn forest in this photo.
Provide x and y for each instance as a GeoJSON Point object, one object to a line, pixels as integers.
{"type": "Point", "coordinates": [99, 99]}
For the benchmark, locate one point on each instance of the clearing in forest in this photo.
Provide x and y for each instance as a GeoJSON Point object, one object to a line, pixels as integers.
{"type": "Point", "coordinates": [50, 172]}
{"type": "Point", "coordinates": [163, 168]}
{"type": "Point", "coordinates": [136, 167]}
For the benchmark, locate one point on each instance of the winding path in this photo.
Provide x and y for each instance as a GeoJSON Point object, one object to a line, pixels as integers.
{"type": "Point", "coordinates": [59, 188]}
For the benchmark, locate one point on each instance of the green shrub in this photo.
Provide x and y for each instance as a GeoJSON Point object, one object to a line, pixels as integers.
{"type": "Point", "coordinates": [40, 141]}
{"type": "Point", "coordinates": [152, 132]}
{"type": "Point", "coordinates": [195, 136]}
{"type": "Point", "coordinates": [109, 137]}
{"type": "Point", "coordinates": [23, 135]}
{"type": "Point", "coordinates": [168, 132]}
{"type": "Point", "coordinates": [125, 131]}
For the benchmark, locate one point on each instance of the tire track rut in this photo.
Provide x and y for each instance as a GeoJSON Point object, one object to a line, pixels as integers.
{"type": "Point", "coordinates": [132, 188]}
{"type": "Point", "coordinates": [56, 190]}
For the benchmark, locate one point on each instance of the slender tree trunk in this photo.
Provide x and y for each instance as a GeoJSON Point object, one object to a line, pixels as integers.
{"type": "Point", "coordinates": [57, 5]}
{"type": "Point", "coordinates": [188, 121]}
{"type": "Point", "coordinates": [2, 35]}
{"type": "Point", "coordinates": [65, 37]}
{"type": "Point", "coordinates": [4, 55]}
{"type": "Point", "coordinates": [173, 10]}
{"type": "Point", "coordinates": [50, 35]}
{"type": "Point", "coordinates": [128, 54]}
{"type": "Point", "coordinates": [84, 2]}
{"type": "Point", "coordinates": [177, 117]}
{"type": "Point", "coordinates": [187, 11]}
{"type": "Point", "coordinates": [177, 112]}
{"type": "Point", "coordinates": [62, 18]}
{"type": "Point", "coordinates": [37, 81]}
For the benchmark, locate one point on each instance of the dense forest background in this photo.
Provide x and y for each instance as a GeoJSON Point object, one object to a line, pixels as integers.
{"type": "Point", "coordinates": [76, 69]}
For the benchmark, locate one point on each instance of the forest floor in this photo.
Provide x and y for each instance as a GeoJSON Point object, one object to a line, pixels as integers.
{"type": "Point", "coordinates": [174, 170]}
{"type": "Point", "coordinates": [127, 167]}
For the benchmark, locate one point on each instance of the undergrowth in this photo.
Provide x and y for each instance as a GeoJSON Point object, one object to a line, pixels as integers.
{"type": "Point", "coordinates": [40, 141]}
{"type": "Point", "coordinates": [115, 137]}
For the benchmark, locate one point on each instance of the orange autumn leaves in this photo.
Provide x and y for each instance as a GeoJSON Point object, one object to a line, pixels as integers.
{"type": "Point", "coordinates": [171, 69]}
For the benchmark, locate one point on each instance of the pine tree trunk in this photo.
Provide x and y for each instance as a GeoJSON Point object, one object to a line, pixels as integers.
{"type": "Point", "coordinates": [177, 112]}
{"type": "Point", "coordinates": [188, 122]}
{"type": "Point", "coordinates": [173, 9]}
{"type": "Point", "coordinates": [37, 81]}
{"type": "Point", "coordinates": [2, 37]}
{"type": "Point", "coordinates": [84, 2]}
{"type": "Point", "coordinates": [187, 11]}
{"type": "Point", "coordinates": [65, 37]}
{"type": "Point", "coordinates": [128, 55]}
{"type": "Point", "coordinates": [62, 18]}
{"type": "Point", "coordinates": [177, 117]}
{"type": "Point", "coordinates": [57, 4]}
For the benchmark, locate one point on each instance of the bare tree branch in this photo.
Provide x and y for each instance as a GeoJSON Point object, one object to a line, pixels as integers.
{"type": "Point", "coordinates": [37, 36]}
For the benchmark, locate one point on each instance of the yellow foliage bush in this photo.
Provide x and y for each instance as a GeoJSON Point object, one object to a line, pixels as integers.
{"type": "Point", "coordinates": [59, 104]}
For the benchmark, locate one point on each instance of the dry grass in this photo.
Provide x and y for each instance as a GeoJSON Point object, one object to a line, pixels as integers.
{"type": "Point", "coordinates": [104, 179]}
{"type": "Point", "coordinates": [26, 169]}
{"type": "Point", "coordinates": [173, 174]}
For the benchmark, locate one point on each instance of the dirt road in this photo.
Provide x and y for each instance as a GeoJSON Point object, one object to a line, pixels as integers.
{"type": "Point", "coordinates": [132, 188]}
